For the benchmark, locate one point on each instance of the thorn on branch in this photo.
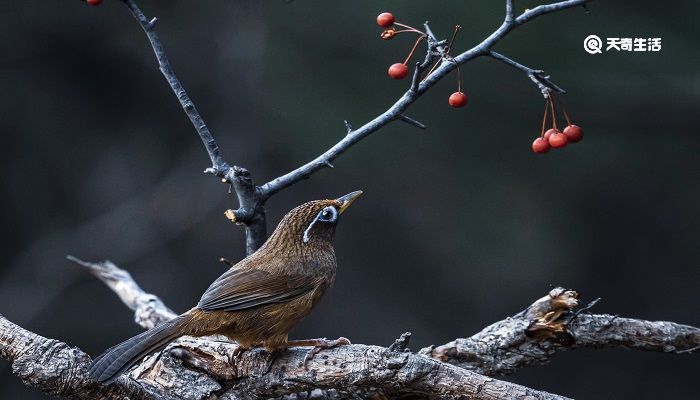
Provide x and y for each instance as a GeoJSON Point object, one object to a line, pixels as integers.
{"type": "Point", "coordinates": [689, 351]}
{"type": "Point", "coordinates": [226, 261]}
{"type": "Point", "coordinates": [587, 307]}
{"type": "Point", "coordinates": [411, 121]}
{"type": "Point", "coordinates": [401, 344]}
{"type": "Point", "coordinates": [544, 84]}
{"type": "Point", "coordinates": [415, 80]}
{"type": "Point", "coordinates": [348, 127]}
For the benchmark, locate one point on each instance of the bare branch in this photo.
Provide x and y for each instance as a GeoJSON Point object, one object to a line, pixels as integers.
{"type": "Point", "coordinates": [352, 367]}
{"type": "Point", "coordinates": [149, 310]}
{"type": "Point", "coordinates": [536, 75]}
{"type": "Point", "coordinates": [252, 198]}
{"type": "Point", "coordinates": [219, 167]}
{"type": "Point", "coordinates": [509, 11]}
{"type": "Point", "coordinates": [206, 367]}
{"type": "Point", "coordinates": [203, 368]}
{"type": "Point", "coordinates": [251, 212]}
{"type": "Point", "coordinates": [411, 95]}
{"type": "Point", "coordinates": [550, 326]}
{"type": "Point", "coordinates": [57, 369]}
{"type": "Point", "coordinates": [529, 15]}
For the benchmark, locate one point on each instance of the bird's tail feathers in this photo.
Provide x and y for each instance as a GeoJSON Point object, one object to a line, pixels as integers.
{"type": "Point", "coordinates": [119, 358]}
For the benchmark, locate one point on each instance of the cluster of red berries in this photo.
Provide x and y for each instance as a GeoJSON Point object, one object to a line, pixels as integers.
{"type": "Point", "coordinates": [400, 70]}
{"type": "Point", "coordinates": [94, 2]}
{"type": "Point", "coordinates": [553, 137]}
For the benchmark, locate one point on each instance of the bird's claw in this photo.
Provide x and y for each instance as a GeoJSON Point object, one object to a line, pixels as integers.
{"type": "Point", "coordinates": [322, 344]}
{"type": "Point", "coordinates": [237, 353]}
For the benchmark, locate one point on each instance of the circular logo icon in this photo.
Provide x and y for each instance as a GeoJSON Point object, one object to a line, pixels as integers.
{"type": "Point", "coordinates": [592, 44]}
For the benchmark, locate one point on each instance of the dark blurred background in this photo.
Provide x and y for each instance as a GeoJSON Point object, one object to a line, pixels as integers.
{"type": "Point", "coordinates": [461, 225]}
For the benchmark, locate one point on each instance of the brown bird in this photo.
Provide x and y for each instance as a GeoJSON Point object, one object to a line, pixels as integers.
{"type": "Point", "coordinates": [259, 299]}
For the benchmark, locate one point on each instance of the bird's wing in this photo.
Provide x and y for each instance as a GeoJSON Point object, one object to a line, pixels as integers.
{"type": "Point", "coordinates": [242, 289]}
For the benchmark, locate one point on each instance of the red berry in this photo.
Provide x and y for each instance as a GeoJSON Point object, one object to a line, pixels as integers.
{"type": "Point", "coordinates": [573, 133]}
{"type": "Point", "coordinates": [540, 145]}
{"type": "Point", "coordinates": [557, 140]}
{"type": "Point", "coordinates": [458, 99]}
{"type": "Point", "coordinates": [398, 71]}
{"type": "Point", "coordinates": [95, 2]}
{"type": "Point", "coordinates": [385, 20]}
{"type": "Point", "coordinates": [549, 133]}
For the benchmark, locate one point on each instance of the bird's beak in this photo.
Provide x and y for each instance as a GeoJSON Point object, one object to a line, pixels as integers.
{"type": "Point", "coordinates": [346, 200]}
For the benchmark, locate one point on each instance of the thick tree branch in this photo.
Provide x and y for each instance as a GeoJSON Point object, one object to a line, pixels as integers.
{"type": "Point", "coordinates": [252, 198]}
{"type": "Point", "coordinates": [57, 369]}
{"type": "Point", "coordinates": [550, 326]}
{"type": "Point", "coordinates": [196, 368]}
{"type": "Point", "coordinates": [199, 368]}
{"type": "Point", "coordinates": [347, 368]}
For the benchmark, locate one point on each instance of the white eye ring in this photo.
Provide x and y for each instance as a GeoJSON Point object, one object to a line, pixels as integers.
{"type": "Point", "coordinates": [328, 214]}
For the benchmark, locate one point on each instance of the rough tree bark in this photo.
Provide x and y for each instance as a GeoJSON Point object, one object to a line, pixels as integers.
{"type": "Point", "coordinates": [207, 368]}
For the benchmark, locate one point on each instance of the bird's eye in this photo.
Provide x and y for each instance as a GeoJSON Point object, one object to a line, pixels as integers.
{"type": "Point", "coordinates": [328, 214]}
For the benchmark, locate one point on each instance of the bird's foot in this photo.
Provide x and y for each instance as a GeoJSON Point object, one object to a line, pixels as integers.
{"type": "Point", "coordinates": [318, 345]}
{"type": "Point", "coordinates": [238, 353]}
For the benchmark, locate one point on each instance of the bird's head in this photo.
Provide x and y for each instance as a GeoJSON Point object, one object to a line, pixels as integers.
{"type": "Point", "coordinates": [314, 222]}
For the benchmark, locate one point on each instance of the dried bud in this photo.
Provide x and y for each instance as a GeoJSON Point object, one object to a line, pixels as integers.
{"type": "Point", "coordinates": [230, 215]}
{"type": "Point", "coordinates": [388, 34]}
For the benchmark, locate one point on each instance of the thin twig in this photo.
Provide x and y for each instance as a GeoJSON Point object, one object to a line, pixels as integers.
{"type": "Point", "coordinates": [219, 167]}
{"type": "Point", "coordinates": [536, 75]}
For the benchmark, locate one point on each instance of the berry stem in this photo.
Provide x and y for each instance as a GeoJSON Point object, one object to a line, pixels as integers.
{"type": "Point", "coordinates": [554, 114]}
{"type": "Point", "coordinates": [563, 109]}
{"type": "Point", "coordinates": [410, 28]}
{"type": "Point", "coordinates": [435, 65]}
{"type": "Point", "coordinates": [413, 50]}
{"type": "Point", "coordinates": [459, 79]}
{"type": "Point", "coordinates": [544, 118]}
{"type": "Point", "coordinates": [452, 39]}
{"type": "Point", "coordinates": [447, 53]}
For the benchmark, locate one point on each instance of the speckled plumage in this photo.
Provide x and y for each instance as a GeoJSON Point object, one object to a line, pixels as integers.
{"type": "Point", "coordinates": [259, 299]}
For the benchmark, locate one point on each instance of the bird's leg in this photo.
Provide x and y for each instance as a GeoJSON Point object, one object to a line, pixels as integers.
{"type": "Point", "coordinates": [238, 351]}
{"type": "Point", "coordinates": [318, 345]}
